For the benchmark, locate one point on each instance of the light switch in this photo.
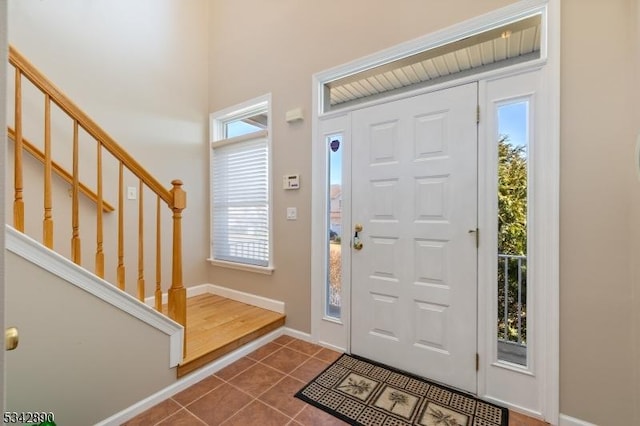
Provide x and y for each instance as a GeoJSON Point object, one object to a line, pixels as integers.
{"type": "Point", "coordinates": [131, 193]}
{"type": "Point", "coordinates": [292, 213]}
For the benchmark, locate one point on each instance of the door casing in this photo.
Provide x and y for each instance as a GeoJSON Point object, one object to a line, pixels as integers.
{"type": "Point", "coordinates": [335, 333]}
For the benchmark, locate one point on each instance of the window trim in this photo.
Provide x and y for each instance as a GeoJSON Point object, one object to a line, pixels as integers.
{"type": "Point", "coordinates": [217, 122]}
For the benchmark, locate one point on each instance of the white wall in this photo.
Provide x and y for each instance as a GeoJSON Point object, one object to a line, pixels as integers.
{"type": "Point", "coordinates": [140, 70]}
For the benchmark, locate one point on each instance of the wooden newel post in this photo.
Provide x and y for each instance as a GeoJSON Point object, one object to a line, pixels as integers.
{"type": "Point", "coordinates": [177, 292]}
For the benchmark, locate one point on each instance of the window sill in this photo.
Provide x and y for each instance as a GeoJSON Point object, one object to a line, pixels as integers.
{"type": "Point", "coordinates": [265, 270]}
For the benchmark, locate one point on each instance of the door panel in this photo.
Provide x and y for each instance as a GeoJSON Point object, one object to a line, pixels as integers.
{"type": "Point", "coordinates": [414, 190]}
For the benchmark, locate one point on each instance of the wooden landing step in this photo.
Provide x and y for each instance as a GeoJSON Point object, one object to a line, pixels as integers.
{"type": "Point", "coordinates": [217, 326]}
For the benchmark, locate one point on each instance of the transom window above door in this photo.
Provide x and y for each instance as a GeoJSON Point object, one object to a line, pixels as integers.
{"type": "Point", "coordinates": [496, 47]}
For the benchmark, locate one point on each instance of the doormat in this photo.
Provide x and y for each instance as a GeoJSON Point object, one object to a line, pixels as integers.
{"type": "Point", "coordinates": [363, 392]}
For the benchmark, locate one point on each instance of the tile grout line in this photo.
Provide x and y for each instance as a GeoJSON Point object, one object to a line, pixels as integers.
{"type": "Point", "coordinates": [240, 409]}
{"type": "Point", "coordinates": [223, 381]}
{"type": "Point", "coordinates": [254, 362]}
{"type": "Point", "coordinates": [185, 409]}
{"type": "Point", "coordinates": [285, 375]}
{"type": "Point", "coordinates": [188, 411]}
{"type": "Point", "coordinates": [180, 407]}
{"type": "Point", "coordinates": [256, 398]}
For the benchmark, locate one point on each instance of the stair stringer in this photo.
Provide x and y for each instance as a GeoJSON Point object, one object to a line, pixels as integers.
{"type": "Point", "coordinates": [34, 252]}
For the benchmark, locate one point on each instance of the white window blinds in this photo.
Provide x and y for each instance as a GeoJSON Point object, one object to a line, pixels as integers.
{"type": "Point", "coordinates": [241, 201]}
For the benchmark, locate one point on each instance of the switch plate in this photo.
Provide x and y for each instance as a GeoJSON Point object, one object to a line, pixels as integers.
{"type": "Point", "coordinates": [292, 213]}
{"type": "Point", "coordinates": [131, 193]}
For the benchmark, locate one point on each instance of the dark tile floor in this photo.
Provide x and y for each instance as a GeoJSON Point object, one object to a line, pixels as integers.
{"type": "Point", "coordinates": [258, 390]}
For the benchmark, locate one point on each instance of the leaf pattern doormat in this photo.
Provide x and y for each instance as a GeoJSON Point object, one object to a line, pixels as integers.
{"type": "Point", "coordinates": [362, 392]}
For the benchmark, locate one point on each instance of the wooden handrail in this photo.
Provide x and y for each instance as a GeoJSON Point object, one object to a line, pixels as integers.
{"type": "Point", "coordinates": [91, 127]}
{"type": "Point", "coordinates": [174, 198]}
{"type": "Point", "coordinates": [58, 169]}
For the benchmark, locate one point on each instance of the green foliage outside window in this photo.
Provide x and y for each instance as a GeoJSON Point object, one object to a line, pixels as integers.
{"type": "Point", "coordinates": [512, 236]}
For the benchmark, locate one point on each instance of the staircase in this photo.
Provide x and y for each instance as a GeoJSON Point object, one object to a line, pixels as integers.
{"type": "Point", "coordinates": [219, 325]}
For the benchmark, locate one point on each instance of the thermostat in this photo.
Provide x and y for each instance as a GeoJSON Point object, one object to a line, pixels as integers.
{"type": "Point", "coordinates": [291, 182]}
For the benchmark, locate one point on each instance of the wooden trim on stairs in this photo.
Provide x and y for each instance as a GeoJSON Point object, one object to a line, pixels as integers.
{"type": "Point", "coordinates": [58, 169]}
{"type": "Point", "coordinates": [174, 198]}
{"type": "Point", "coordinates": [59, 98]}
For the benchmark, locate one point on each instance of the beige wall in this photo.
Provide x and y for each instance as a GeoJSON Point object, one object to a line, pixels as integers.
{"type": "Point", "coordinates": [599, 97]}
{"type": "Point", "coordinates": [258, 47]}
{"type": "Point", "coordinates": [3, 146]}
{"type": "Point", "coordinates": [78, 356]}
{"type": "Point", "coordinates": [140, 70]}
{"type": "Point", "coordinates": [598, 189]}
{"type": "Point", "coordinates": [635, 214]}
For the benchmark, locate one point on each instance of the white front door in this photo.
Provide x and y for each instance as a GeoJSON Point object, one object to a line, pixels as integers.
{"type": "Point", "coordinates": [414, 191]}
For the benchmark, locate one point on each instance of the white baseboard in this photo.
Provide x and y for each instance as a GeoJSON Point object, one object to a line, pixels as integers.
{"type": "Point", "coordinates": [298, 334]}
{"type": "Point", "coordinates": [308, 338]}
{"type": "Point", "coordinates": [196, 376]}
{"type": "Point", "coordinates": [330, 346]}
{"type": "Point", "coordinates": [512, 407]}
{"type": "Point", "coordinates": [239, 296]}
{"type": "Point", "coordinates": [571, 421]}
{"type": "Point", "coordinates": [189, 380]}
{"type": "Point", "coordinates": [250, 299]}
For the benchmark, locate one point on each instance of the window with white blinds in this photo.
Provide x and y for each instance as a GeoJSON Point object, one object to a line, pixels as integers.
{"type": "Point", "coordinates": [240, 186]}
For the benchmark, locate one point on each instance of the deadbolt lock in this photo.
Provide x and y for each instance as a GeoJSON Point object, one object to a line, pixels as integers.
{"type": "Point", "coordinates": [11, 338]}
{"type": "Point", "coordinates": [357, 244]}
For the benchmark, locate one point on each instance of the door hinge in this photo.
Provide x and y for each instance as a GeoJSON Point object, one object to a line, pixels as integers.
{"type": "Point", "coordinates": [477, 234]}
{"type": "Point", "coordinates": [477, 361]}
{"type": "Point", "coordinates": [478, 114]}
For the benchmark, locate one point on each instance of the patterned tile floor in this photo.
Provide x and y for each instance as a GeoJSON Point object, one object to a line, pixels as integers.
{"type": "Point", "coordinates": [258, 390]}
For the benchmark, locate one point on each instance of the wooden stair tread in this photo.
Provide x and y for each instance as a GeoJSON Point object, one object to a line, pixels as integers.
{"type": "Point", "coordinates": [217, 326]}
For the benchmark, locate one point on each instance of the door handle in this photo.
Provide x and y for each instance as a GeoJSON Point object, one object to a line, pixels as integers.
{"type": "Point", "coordinates": [357, 244]}
{"type": "Point", "coordinates": [11, 338]}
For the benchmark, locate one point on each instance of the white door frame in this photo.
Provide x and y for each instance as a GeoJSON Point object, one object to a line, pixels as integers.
{"type": "Point", "coordinates": [336, 333]}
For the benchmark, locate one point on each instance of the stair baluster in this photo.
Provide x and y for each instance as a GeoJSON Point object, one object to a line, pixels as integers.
{"type": "Point", "coordinates": [120, 271]}
{"type": "Point", "coordinates": [175, 198]}
{"type": "Point", "coordinates": [158, 292]}
{"type": "Point", "coordinates": [76, 254]}
{"type": "Point", "coordinates": [18, 203]}
{"type": "Point", "coordinates": [141, 289]}
{"type": "Point", "coordinates": [99, 223]}
{"type": "Point", "coordinates": [47, 225]}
